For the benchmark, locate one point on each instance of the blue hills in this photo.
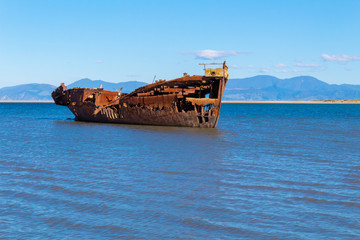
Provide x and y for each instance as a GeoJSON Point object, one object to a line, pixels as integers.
{"type": "Point", "coordinates": [269, 88]}
{"type": "Point", "coordinates": [258, 88]}
{"type": "Point", "coordinates": [31, 92]}
{"type": "Point", "coordinates": [126, 86]}
{"type": "Point", "coordinates": [42, 92]}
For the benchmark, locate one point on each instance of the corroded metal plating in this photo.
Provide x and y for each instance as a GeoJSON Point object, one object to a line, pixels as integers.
{"type": "Point", "coordinates": [188, 101]}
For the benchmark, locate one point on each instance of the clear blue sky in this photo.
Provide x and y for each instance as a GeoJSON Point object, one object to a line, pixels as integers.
{"type": "Point", "coordinates": [63, 41]}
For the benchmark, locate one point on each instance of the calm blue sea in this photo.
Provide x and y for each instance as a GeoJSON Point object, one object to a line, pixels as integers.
{"type": "Point", "coordinates": [269, 171]}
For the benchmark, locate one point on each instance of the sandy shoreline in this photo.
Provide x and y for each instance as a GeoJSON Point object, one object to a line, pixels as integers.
{"type": "Point", "coordinates": [277, 102]}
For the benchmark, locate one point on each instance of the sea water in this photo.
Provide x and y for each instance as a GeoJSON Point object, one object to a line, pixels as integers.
{"type": "Point", "coordinates": [268, 171]}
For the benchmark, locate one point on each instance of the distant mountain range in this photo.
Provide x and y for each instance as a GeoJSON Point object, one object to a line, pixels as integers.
{"type": "Point", "coordinates": [32, 91]}
{"type": "Point", "coordinates": [126, 86]}
{"type": "Point", "coordinates": [42, 92]}
{"type": "Point", "coordinates": [264, 87]}
{"type": "Point", "coordinates": [256, 88]}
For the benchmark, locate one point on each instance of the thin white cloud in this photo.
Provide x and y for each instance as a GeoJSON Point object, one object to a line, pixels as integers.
{"type": "Point", "coordinates": [133, 75]}
{"type": "Point", "coordinates": [304, 65]}
{"type": "Point", "coordinates": [214, 54]}
{"type": "Point", "coordinates": [340, 58]}
{"type": "Point", "coordinates": [282, 71]}
{"type": "Point", "coordinates": [99, 61]}
{"type": "Point", "coordinates": [309, 67]}
{"type": "Point", "coordinates": [235, 66]}
{"type": "Point", "coordinates": [280, 65]}
{"type": "Point", "coordinates": [295, 68]}
{"type": "Point", "coordinates": [264, 70]}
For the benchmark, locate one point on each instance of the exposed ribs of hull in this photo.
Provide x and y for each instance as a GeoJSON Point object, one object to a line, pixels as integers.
{"type": "Point", "coordinates": [189, 101]}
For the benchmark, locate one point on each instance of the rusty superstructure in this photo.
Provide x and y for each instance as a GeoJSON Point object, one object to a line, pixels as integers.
{"type": "Point", "coordinates": [188, 101]}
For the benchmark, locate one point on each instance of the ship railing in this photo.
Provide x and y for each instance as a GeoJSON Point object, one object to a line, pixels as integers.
{"type": "Point", "coordinates": [224, 64]}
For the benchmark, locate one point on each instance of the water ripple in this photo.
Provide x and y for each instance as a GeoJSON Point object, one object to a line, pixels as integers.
{"type": "Point", "coordinates": [267, 172]}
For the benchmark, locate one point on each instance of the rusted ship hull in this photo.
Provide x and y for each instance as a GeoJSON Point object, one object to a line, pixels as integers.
{"type": "Point", "coordinates": [189, 101]}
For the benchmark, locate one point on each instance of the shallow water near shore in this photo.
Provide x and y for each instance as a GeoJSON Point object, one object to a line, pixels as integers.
{"type": "Point", "coordinates": [269, 171]}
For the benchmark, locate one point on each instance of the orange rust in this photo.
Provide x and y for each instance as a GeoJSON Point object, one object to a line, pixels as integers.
{"type": "Point", "coordinates": [188, 101]}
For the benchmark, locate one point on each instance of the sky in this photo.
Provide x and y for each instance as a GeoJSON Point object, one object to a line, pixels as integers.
{"type": "Point", "coordinates": [54, 41]}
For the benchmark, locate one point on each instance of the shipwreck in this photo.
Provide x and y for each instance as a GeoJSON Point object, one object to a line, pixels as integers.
{"type": "Point", "coordinates": [188, 101]}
